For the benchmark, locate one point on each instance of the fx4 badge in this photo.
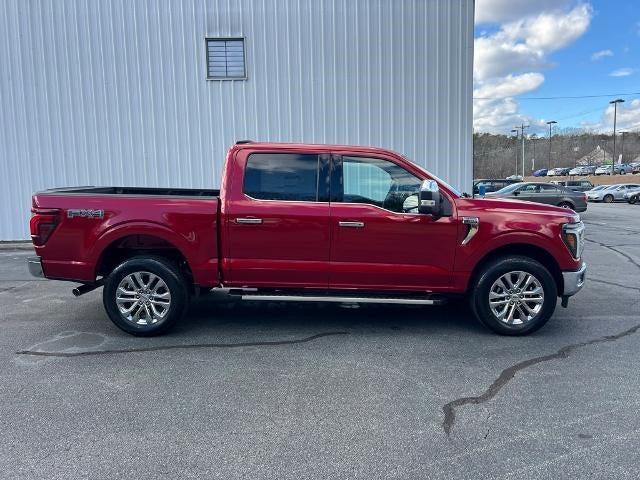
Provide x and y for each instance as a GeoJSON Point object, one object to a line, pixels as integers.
{"type": "Point", "coordinates": [85, 213]}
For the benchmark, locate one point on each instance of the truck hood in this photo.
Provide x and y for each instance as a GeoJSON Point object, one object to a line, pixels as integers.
{"type": "Point", "coordinates": [515, 208]}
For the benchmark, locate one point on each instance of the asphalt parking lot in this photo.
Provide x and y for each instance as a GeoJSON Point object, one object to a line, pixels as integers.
{"type": "Point", "coordinates": [255, 390]}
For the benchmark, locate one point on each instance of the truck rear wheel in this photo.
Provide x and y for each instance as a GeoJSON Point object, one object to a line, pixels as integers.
{"type": "Point", "coordinates": [514, 295]}
{"type": "Point", "coordinates": [145, 296]}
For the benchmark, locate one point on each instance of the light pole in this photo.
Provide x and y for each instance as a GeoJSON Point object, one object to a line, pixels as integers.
{"type": "Point", "coordinates": [615, 114]}
{"type": "Point", "coordinates": [552, 122]}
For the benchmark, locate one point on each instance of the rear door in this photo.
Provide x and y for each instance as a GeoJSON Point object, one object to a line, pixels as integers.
{"type": "Point", "coordinates": [277, 218]}
{"type": "Point", "coordinates": [379, 241]}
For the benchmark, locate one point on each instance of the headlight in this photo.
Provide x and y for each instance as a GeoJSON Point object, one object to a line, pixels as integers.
{"type": "Point", "coordinates": [573, 236]}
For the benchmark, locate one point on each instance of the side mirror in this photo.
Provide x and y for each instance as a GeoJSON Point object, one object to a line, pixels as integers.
{"type": "Point", "coordinates": [516, 193]}
{"type": "Point", "coordinates": [430, 200]}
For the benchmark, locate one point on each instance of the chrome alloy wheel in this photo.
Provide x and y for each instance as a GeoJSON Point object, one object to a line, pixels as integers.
{"type": "Point", "coordinates": [143, 298]}
{"type": "Point", "coordinates": [516, 298]}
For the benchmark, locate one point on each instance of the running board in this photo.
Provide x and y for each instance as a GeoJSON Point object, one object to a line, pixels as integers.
{"type": "Point", "coordinates": [343, 299]}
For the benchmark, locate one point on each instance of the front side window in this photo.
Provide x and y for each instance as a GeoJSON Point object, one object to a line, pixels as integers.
{"type": "Point", "coordinates": [381, 183]}
{"type": "Point", "coordinates": [530, 188]}
{"type": "Point", "coordinates": [282, 176]}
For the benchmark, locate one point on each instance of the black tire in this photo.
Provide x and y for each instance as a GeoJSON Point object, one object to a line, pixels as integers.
{"type": "Point", "coordinates": [608, 199]}
{"type": "Point", "coordinates": [567, 205]}
{"type": "Point", "coordinates": [490, 273]}
{"type": "Point", "coordinates": [633, 200]}
{"type": "Point", "coordinates": [175, 284]}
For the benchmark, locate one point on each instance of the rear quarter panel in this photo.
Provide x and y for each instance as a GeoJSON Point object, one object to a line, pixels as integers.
{"type": "Point", "coordinates": [75, 248]}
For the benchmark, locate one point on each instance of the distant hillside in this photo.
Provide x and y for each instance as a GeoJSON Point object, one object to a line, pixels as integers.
{"type": "Point", "coordinates": [495, 156]}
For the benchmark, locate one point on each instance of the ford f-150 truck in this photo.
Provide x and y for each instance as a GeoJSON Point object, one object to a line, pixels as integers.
{"type": "Point", "coordinates": [296, 222]}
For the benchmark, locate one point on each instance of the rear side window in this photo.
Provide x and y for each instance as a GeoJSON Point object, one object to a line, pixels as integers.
{"type": "Point", "coordinates": [282, 176]}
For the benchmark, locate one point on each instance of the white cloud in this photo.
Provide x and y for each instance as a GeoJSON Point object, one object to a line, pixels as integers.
{"type": "Point", "coordinates": [522, 46]}
{"type": "Point", "coordinates": [497, 56]}
{"type": "Point", "coordinates": [622, 72]}
{"type": "Point", "coordinates": [601, 54]}
{"type": "Point", "coordinates": [551, 31]}
{"type": "Point", "coordinates": [497, 11]}
{"type": "Point", "coordinates": [509, 86]}
{"type": "Point", "coordinates": [507, 63]}
{"type": "Point", "coordinates": [628, 118]}
{"type": "Point", "coordinates": [494, 109]}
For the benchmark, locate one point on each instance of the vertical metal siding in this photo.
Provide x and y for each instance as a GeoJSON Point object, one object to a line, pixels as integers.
{"type": "Point", "coordinates": [115, 92]}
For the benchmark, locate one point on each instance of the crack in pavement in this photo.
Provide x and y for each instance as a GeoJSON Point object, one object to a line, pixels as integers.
{"type": "Point", "coordinates": [179, 347]}
{"type": "Point", "coordinates": [613, 284]}
{"type": "Point", "coordinates": [507, 374]}
{"type": "Point", "coordinates": [612, 248]}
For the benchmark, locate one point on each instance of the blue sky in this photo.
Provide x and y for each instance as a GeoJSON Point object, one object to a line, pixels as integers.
{"type": "Point", "coordinates": [556, 48]}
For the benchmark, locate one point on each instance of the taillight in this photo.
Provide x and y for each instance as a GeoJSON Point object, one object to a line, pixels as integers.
{"type": "Point", "coordinates": [43, 223]}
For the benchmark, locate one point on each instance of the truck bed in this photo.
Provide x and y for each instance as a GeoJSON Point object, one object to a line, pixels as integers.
{"type": "Point", "coordinates": [147, 191]}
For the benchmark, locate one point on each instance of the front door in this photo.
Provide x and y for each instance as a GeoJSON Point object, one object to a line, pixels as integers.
{"type": "Point", "coordinates": [379, 241]}
{"type": "Point", "coordinates": [277, 220]}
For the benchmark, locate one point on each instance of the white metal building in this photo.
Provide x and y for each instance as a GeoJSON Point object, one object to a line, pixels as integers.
{"type": "Point", "coordinates": [152, 92]}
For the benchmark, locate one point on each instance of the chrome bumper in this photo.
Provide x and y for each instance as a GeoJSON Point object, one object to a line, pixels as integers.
{"type": "Point", "coordinates": [573, 281]}
{"type": "Point", "coordinates": [35, 266]}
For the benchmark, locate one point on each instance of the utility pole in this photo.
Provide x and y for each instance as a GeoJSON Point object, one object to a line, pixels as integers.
{"type": "Point", "coordinates": [552, 122]}
{"type": "Point", "coordinates": [615, 115]}
{"type": "Point", "coordinates": [516, 149]}
{"type": "Point", "coordinates": [521, 129]}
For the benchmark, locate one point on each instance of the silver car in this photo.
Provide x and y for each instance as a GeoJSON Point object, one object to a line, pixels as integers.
{"type": "Point", "coordinates": [632, 196]}
{"type": "Point", "coordinates": [611, 193]}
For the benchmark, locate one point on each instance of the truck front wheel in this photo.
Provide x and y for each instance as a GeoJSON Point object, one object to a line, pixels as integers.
{"type": "Point", "coordinates": [145, 296]}
{"type": "Point", "coordinates": [514, 295]}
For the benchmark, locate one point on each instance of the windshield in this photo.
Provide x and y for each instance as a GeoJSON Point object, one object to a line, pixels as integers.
{"type": "Point", "coordinates": [510, 188]}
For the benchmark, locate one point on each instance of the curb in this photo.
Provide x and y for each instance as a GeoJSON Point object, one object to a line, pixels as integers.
{"type": "Point", "coordinates": [20, 245]}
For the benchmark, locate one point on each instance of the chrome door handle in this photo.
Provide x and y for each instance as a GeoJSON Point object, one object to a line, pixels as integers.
{"type": "Point", "coordinates": [351, 224]}
{"type": "Point", "coordinates": [249, 220]}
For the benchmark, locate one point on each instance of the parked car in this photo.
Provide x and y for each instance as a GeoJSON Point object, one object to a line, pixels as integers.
{"type": "Point", "coordinates": [544, 193]}
{"type": "Point", "coordinates": [515, 178]}
{"type": "Point", "coordinates": [635, 167]}
{"type": "Point", "coordinates": [583, 170]}
{"type": "Point", "coordinates": [575, 185]}
{"type": "Point", "coordinates": [632, 197]}
{"type": "Point", "coordinates": [596, 189]}
{"type": "Point", "coordinates": [611, 193]}
{"type": "Point", "coordinates": [309, 223]}
{"type": "Point", "coordinates": [557, 172]}
{"type": "Point", "coordinates": [620, 169]}
{"type": "Point", "coordinates": [491, 184]}
{"type": "Point", "coordinates": [541, 173]}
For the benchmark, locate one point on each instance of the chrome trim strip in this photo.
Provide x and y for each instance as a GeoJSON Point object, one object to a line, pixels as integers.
{"type": "Point", "coordinates": [474, 226]}
{"type": "Point", "coordinates": [303, 298]}
{"type": "Point", "coordinates": [352, 224]}
{"type": "Point", "coordinates": [249, 220]}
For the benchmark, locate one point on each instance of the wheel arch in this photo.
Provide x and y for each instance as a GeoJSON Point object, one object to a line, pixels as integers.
{"type": "Point", "coordinates": [128, 245]}
{"type": "Point", "coordinates": [524, 250]}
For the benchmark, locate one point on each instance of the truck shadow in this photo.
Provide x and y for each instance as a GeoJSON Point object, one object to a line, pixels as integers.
{"type": "Point", "coordinates": [207, 315]}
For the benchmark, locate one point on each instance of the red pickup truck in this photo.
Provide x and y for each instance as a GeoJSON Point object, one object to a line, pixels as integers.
{"type": "Point", "coordinates": [298, 222]}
